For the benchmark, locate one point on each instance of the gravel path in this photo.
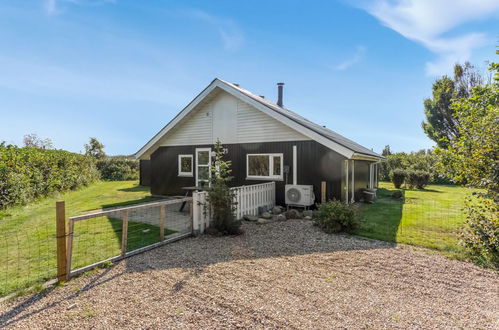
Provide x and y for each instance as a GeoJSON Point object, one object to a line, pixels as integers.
{"type": "Point", "coordinates": [280, 275]}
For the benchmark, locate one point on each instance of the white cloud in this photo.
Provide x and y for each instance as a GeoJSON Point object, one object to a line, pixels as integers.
{"type": "Point", "coordinates": [228, 30]}
{"type": "Point", "coordinates": [356, 58]}
{"type": "Point", "coordinates": [52, 7]}
{"type": "Point", "coordinates": [427, 22]}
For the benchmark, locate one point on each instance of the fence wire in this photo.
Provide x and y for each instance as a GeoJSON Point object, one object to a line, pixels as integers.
{"type": "Point", "coordinates": [28, 246]}
{"type": "Point", "coordinates": [27, 256]}
{"type": "Point", "coordinates": [101, 237]}
{"type": "Point", "coordinates": [427, 218]}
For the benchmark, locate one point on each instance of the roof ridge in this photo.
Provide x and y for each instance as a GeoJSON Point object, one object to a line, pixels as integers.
{"type": "Point", "coordinates": [322, 130]}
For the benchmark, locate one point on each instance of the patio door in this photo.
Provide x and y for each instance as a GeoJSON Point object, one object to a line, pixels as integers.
{"type": "Point", "coordinates": [203, 161]}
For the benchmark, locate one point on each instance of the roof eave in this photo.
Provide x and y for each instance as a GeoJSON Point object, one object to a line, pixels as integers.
{"type": "Point", "coordinates": [359, 156]}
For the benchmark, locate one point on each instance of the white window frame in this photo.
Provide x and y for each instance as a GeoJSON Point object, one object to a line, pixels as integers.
{"type": "Point", "coordinates": [203, 165]}
{"type": "Point", "coordinates": [271, 167]}
{"type": "Point", "coordinates": [187, 174]}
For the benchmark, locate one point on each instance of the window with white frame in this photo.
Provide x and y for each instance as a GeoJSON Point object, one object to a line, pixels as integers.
{"type": "Point", "coordinates": [264, 166]}
{"type": "Point", "coordinates": [185, 165]}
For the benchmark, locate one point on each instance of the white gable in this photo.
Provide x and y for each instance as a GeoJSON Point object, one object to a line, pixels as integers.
{"type": "Point", "coordinates": [232, 121]}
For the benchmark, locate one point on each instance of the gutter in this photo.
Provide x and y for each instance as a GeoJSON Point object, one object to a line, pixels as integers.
{"type": "Point", "coordinates": [358, 156]}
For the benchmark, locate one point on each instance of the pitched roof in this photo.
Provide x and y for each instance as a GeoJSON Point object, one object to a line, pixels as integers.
{"type": "Point", "coordinates": [314, 130]}
{"type": "Point", "coordinates": [326, 132]}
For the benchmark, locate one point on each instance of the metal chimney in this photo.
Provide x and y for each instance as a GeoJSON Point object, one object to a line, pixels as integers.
{"type": "Point", "coordinates": [279, 93]}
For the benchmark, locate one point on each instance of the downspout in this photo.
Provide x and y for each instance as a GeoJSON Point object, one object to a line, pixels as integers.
{"type": "Point", "coordinates": [295, 166]}
{"type": "Point", "coordinates": [346, 181]}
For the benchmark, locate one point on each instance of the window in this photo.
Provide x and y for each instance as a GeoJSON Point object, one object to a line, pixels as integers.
{"type": "Point", "coordinates": [184, 165]}
{"type": "Point", "coordinates": [264, 166]}
{"type": "Point", "coordinates": [203, 162]}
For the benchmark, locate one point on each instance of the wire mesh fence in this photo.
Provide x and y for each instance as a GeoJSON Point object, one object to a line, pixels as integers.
{"type": "Point", "coordinates": [111, 234]}
{"type": "Point", "coordinates": [431, 218]}
{"type": "Point", "coordinates": [28, 245]}
{"type": "Point", "coordinates": [27, 256]}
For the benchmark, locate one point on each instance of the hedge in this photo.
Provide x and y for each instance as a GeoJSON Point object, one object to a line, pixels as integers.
{"type": "Point", "coordinates": [27, 174]}
{"type": "Point", "coordinates": [118, 169]}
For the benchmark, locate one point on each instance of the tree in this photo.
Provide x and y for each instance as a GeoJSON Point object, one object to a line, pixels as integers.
{"type": "Point", "coordinates": [95, 149]}
{"type": "Point", "coordinates": [386, 151]}
{"type": "Point", "coordinates": [441, 124]}
{"type": "Point", "coordinates": [33, 141]}
{"type": "Point", "coordinates": [472, 157]}
{"type": "Point", "coordinates": [220, 196]}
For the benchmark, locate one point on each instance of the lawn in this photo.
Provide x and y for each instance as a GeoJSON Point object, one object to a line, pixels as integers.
{"type": "Point", "coordinates": [27, 233]}
{"type": "Point", "coordinates": [431, 218]}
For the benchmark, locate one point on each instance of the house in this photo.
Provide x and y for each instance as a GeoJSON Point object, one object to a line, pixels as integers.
{"type": "Point", "coordinates": [265, 142]}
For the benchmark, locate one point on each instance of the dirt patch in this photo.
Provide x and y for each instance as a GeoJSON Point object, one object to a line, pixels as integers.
{"type": "Point", "coordinates": [286, 275]}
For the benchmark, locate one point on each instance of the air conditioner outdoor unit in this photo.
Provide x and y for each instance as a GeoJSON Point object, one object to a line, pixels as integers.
{"type": "Point", "coordinates": [299, 195]}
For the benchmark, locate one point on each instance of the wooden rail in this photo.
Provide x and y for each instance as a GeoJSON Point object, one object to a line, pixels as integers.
{"type": "Point", "coordinates": [107, 212]}
{"type": "Point", "coordinates": [64, 251]}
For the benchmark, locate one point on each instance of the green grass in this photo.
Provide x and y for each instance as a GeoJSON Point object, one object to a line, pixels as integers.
{"type": "Point", "coordinates": [430, 218]}
{"type": "Point", "coordinates": [27, 233]}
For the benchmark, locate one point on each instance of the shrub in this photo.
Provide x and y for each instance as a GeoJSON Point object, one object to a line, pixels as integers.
{"type": "Point", "coordinates": [221, 197]}
{"type": "Point", "coordinates": [424, 160]}
{"type": "Point", "coordinates": [334, 216]}
{"type": "Point", "coordinates": [27, 174]}
{"type": "Point", "coordinates": [397, 194]}
{"type": "Point", "coordinates": [418, 179]}
{"type": "Point", "coordinates": [481, 234]}
{"type": "Point", "coordinates": [117, 169]}
{"type": "Point", "coordinates": [398, 176]}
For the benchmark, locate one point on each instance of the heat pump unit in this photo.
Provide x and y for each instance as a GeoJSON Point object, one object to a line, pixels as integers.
{"type": "Point", "coordinates": [299, 195]}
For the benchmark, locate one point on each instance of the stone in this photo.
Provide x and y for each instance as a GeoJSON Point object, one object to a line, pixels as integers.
{"type": "Point", "coordinates": [262, 209]}
{"type": "Point", "coordinates": [293, 214]}
{"type": "Point", "coordinates": [307, 217]}
{"type": "Point", "coordinates": [276, 210]}
{"type": "Point", "coordinates": [281, 217]}
{"type": "Point", "coordinates": [249, 217]}
{"type": "Point", "coordinates": [308, 213]}
{"type": "Point", "coordinates": [266, 215]}
{"type": "Point", "coordinates": [262, 221]}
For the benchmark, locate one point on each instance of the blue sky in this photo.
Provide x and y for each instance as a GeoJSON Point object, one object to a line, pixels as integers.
{"type": "Point", "coordinates": [120, 70]}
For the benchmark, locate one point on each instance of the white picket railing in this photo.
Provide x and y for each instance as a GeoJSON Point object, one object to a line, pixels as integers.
{"type": "Point", "coordinates": [248, 199]}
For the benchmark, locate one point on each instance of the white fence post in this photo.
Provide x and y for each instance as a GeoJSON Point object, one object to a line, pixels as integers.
{"type": "Point", "coordinates": [195, 212]}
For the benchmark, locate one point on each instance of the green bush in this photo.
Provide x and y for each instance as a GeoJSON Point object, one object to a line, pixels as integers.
{"type": "Point", "coordinates": [335, 216]}
{"type": "Point", "coordinates": [27, 174]}
{"type": "Point", "coordinates": [418, 179]}
{"type": "Point", "coordinates": [398, 176]}
{"type": "Point", "coordinates": [481, 233]}
{"type": "Point", "coordinates": [423, 160]}
{"type": "Point", "coordinates": [118, 169]}
{"type": "Point", "coordinates": [397, 194]}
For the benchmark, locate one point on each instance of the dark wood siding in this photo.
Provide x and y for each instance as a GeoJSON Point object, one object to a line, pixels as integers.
{"type": "Point", "coordinates": [361, 177]}
{"type": "Point", "coordinates": [315, 163]}
{"type": "Point", "coordinates": [145, 172]}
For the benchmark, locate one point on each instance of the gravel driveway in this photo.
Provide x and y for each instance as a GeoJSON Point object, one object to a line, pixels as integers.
{"type": "Point", "coordinates": [284, 275]}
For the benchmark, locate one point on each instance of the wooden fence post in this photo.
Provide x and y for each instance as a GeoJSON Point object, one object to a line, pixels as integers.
{"type": "Point", "coordinates": [60, 214]}
{"type": "Point", "coordinates": [323, 191]}
{"type": "Point", "coordinates": [124, 233]}
{"type": "Point", "coordinates": [162, 220]}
